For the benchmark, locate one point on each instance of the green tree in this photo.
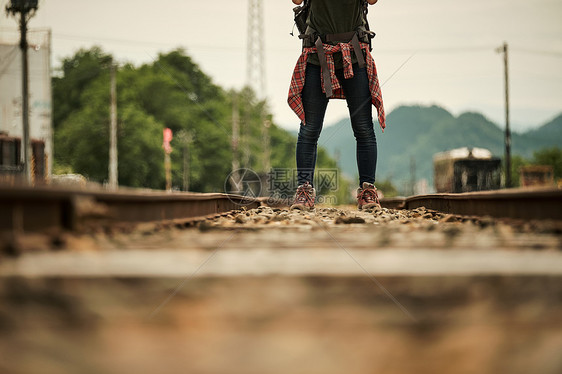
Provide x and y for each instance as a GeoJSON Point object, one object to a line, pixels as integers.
{"type": "Point", "coordinates": [387, 188]}
{"type": "Point", "coordinates": [517, 162]}
{"type": "Point", "coordinates": [169, 92]}
{"type": "Point", "coordinates": [82, 139]}
{"type": "Point", "coordinates": [74, 76]}
{"type": "Point", "coordinates": [550, 156]}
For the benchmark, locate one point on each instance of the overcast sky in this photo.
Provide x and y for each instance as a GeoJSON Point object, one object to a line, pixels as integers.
{"type": "Point", "coordinates": [427, 52]}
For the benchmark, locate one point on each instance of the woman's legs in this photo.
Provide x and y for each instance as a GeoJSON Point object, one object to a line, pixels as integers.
{"type": "Point", "coordinates": [315, 103]}
{"type": "Point", "coordinates": [358, 96]}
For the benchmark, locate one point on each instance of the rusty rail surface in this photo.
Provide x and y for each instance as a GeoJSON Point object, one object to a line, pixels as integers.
{"type": "Point", "coordinates": [26, 209]}
{"type": "Point", "coordinates": [393, 202]}
{"type": "Point", "coordinates": [512, 203]}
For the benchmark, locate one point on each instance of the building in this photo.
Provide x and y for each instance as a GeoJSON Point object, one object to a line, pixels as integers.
{"type": "Point", "coordinates": [40, 106]}
{"type": "Point", "coordinates": [536, 175]}
{"type": "Point", "coordinates": [465, 170]}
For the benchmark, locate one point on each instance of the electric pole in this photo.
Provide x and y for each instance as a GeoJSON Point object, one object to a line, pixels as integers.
{"type": "Point", "coordinates": [186, 138]}
{"type": "Point", "coordinates": [503, 49]}
{"type": "Point", "coordinates": [266, 146]}
{"type": "Point", "coordinates": [413, 175]}
{"type": "Point", "coordinates": [26, 9]}
{"type": "Point", "coordinates": [113, 131]}
{"type": "Point", "coordinates": [234, 177]}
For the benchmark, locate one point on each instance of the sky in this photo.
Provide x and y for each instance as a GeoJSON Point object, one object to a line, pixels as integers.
{"type": "Point", "coordinates": [439, 52]}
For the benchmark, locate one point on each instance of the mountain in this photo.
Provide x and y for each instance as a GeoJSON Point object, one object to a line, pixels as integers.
{"type": "Point", "coordinates": [415, 133]}
{"type": "Point", "coordinates": [550, 132]}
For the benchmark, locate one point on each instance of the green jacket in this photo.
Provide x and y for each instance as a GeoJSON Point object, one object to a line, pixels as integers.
{"type": "Point", "coordinates": [334, 17]}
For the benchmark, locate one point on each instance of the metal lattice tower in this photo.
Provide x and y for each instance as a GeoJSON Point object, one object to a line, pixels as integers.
{"type": "Point", "coordinates": [255, 55]}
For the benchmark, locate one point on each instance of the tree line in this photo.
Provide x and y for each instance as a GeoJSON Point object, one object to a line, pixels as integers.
{"type": "Point", "coordinates": [170, 92]}
{"type": "Point", "coordinates": [550, 156]}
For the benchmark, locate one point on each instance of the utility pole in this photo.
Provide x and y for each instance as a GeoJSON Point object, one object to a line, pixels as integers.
{"type": "Point", "coordinates": [413, 175]}
{"type": "Point", "coordinates": [246, 136]}
{"type": "Point", "coordinates": [113, 183]}
{"type": "Point", "coordinates": [234, 177]}
{"type": "Point", "coordinates": [26, 8]}
{"type": "Point", "coordinates": [503, 49]}
{"type": "Point", "coordinates": [266, 145]}
{"type": "Point", "coordinates": [186, 138]}
{"type": "Point", "coordinates": [168, 171]}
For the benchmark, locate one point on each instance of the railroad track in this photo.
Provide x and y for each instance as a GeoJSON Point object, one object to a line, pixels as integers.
{"type": "Point", "coordinates": [26, 209]}
{"type": "Point", "coordinates": [512, 203]}
{"type": "Point", "coordinates": [51, 209]}
{"type": "Point", "coordinates": [266, 289]}
{"type": "Point", "coordinates": [542, 203]}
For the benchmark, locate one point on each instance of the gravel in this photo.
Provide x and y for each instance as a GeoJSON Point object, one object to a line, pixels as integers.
{"type": "Point", "coordinates": [266, 217]}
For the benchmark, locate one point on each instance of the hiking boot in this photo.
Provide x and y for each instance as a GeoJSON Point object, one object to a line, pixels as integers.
{"type": "Point", "coordinates": [304, 197]}
{"type": "Point", "coordinates": [367, 197]}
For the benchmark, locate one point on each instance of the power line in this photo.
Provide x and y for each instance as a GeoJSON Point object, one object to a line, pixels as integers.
{"type": "Point", "coordinates": [77, 37]}
{"type": "Point", "coordinates": [141, 43]}
{"type": "Point", "coordinates": [538, 52]}
{"type": "Point", "coordinates": [429, 50]}
{"type": "Point", "coordinates": [436, 50]}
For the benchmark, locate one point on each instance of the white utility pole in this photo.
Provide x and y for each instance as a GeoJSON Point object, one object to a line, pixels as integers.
{"type": "Point", "coordinates": [113, 177]}
{"type": "Point", "coordinates": [503, 49]}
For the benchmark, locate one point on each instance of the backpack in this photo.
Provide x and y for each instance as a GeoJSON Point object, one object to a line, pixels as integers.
{"type": "Point", "coordinates": [301, 15]}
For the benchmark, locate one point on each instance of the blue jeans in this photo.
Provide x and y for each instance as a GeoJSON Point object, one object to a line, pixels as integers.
{"type": "Point", "coordinates": [358, 97]}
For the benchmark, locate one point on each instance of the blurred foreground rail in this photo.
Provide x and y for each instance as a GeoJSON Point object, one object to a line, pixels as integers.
{"type": "Point", "coordinates": [268, 290]}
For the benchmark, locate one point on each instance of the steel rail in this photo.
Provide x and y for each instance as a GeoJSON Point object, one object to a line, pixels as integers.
{"type": "Point", "coordinates": [510, 203]}
{"type": "Point", "coordinates": [26, 209]}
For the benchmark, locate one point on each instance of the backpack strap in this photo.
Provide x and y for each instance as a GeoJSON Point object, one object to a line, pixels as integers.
{"type": "Point", "coordinates": [370, 34]}
{"type": "Point", "coordinates": [347, 37]}
{"type": "Point", "coordinates": [324, 65]}
{"type": "Point", "coordinates": [301, 16]}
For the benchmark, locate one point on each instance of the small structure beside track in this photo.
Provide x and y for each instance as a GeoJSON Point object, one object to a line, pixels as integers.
{"type": "Point", "coordinates": [466, 170]}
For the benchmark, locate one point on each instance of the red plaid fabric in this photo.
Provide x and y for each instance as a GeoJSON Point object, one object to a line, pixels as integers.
{"type": "Point", "coordinates": [297, 80]}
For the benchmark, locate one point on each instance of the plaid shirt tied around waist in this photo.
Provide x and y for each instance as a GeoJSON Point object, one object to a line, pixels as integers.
{"type": "Point", "coordinates": [297, 80]}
